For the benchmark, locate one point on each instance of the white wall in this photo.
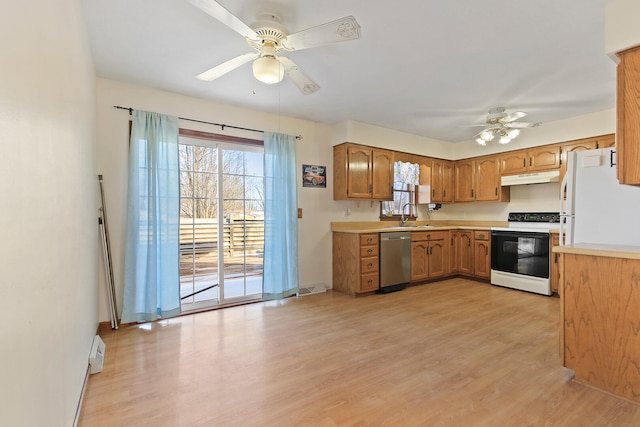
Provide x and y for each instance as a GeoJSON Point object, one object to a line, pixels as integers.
{"type": "Point", "coordinates": [48, 220]}
{"type": "Point", "coordinates": [621, 26]}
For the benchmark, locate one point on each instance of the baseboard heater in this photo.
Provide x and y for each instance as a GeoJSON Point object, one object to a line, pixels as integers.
{"type": "Point", "coordinates": [96, 355]}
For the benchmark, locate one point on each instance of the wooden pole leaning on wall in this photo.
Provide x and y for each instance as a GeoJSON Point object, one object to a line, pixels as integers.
{"type": "Point", "coordinates": [106, 256]}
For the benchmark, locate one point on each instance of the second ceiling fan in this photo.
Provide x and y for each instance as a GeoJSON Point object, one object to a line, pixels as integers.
{"type": "Point", "coordinates": [268, 37]}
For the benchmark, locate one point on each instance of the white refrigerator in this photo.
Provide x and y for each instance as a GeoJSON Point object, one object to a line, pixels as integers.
{"type": "Point", "coordinates": [597, 208]}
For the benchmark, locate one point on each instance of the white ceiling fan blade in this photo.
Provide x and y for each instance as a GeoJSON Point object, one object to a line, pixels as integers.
{"type": "Point", "coordinates": [522, 125]}
{"type": "Point", "coordinates": [513, 117]}
{"type": "Point", "coordinates": [473, 126]}
{"type": "Point", "coordinates": [343, 29]}
{"type": "Point", "coordinates": [227, 66]}
{"type": "Point", "coordinates": [219, 12]}
{"type": "Point", "coordinates": [298, 77]}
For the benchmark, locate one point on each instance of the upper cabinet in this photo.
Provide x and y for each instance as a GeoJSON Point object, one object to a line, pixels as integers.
{"type": "Point", "coordinates": [479, 180]}
{"type": "Point", "coordinates": [628, 120]}
{"type": "Point", "coordinates": [537, 159]}
{"type": "Point", "coordinates": [361, 172]}
{"type": "Point", "coordinates": [442, 180]}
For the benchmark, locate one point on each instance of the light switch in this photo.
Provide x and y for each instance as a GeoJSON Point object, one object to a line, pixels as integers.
{"type": "Point", "coordinates": [299, 212]}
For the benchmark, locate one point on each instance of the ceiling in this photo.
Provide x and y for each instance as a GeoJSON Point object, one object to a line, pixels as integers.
{"type": "Point", "coordinates": [423, 67]}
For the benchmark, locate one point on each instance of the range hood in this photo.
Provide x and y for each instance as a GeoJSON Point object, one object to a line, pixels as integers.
{"type": "Point", "coordinates": [531, 178]}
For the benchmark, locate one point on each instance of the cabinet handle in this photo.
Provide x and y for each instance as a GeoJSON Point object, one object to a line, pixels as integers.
{"type": "Point", "coordinates": [369, 240]}
{"type": "Point", "coordinates": [469, 242]}
{"type": "Point", "coordinates": [369, 265]}
{"type": "Point", "coordinates": [370, 251]}
{"type": "Point", "coordinates": [444, 193]}
{"type": "Point", "coordinates": [524, 163]}
{"type": "Point", "coordinates": [370, 281]}
{"type": "Point", "coordinates": [452, 241]}
{"type": "Point", "coordinates": [496, 191]}
{"type": "Point", "coordinates": [530, 161]}
{"type": "Point", "coordinates": [611, 159]}
{"type": "Point", "coordinates": [472, 192]}
{"type": "Point", "coordinates": [371, 188]}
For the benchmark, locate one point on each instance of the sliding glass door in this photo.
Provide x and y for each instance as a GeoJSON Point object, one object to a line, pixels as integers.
{"type": "Point", "coordinates": [221, 223]}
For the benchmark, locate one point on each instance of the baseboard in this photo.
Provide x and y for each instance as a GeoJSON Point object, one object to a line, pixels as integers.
{"type": "Point", "coordinates": [76, 418]}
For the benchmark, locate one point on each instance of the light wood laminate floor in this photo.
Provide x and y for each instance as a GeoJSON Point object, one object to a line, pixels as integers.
{"type": "Point", "coordinates": [451, 353]}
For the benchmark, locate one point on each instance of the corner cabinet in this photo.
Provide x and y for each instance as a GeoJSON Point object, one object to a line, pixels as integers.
{"type": "Point", "coordinates": [628, 117]}
{"type": "Point", "coordinates": [362, 173]}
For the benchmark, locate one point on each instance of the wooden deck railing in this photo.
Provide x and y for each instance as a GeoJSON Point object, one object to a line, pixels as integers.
{"type": "Point", "coordinates": [238, 236]}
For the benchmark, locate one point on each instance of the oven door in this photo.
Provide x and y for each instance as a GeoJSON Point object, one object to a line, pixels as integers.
{"type": "Point", "coordinates": [520, 252]}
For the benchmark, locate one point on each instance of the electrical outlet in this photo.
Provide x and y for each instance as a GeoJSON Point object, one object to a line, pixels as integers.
{"type": "Point", "coordinates": [299, 212]}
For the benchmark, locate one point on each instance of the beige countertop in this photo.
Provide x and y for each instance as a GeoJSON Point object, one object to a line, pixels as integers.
{"type": "Point", "coordinates": [595, 249]}
{"type": "Point", "coordinates": [386, 226]}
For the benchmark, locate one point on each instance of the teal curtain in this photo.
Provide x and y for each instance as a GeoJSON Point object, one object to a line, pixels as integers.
{"type": "Point", "coordinates": [152, 280]}
{"type": "Point", "coordinates": [280, 278]}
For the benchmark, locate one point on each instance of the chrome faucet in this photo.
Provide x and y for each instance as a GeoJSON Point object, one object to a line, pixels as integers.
{"type": "Point", "coordinates": [404, 220]}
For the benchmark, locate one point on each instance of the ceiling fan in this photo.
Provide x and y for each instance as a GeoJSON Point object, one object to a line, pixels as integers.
{"type": "Point", "coordinates": [268, 37]}
{"type": "Point", "coordinates": [502, 125]}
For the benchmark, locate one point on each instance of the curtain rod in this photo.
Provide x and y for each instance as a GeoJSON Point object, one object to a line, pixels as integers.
{"type": "Point", "coordinates": [222, 126]}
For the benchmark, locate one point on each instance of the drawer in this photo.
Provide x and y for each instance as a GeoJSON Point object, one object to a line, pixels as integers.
{"type": "Point", "coordinates": [369, 239]}
{"type": "Point", "coordinates": [482, 235]}
{"type": "Point", "coordinates": [418, 236]}
{"type": "Point", "coordinates": [369, 282]}
{"type": "Point", "coordinates": [368, 265]}
{"type": "Point", "coordinates": [368, 251]}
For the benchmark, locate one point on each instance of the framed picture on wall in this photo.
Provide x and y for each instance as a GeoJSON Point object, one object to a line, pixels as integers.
{"type": "Point", "coordinates": [314, 176]}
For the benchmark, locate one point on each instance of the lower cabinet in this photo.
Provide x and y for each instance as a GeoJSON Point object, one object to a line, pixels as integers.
{"type": "Point", "coordinates": [466, 253]}
{"type": "Point", "coordinates": [429, 255]}
{"type": "Point", "coordinates": [482, 254]}
{"type": "Point", "coordinates": [355, 262]}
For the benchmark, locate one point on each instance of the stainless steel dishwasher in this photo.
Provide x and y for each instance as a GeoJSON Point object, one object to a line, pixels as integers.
{"type": "Point", "coordinates": [395, 260]}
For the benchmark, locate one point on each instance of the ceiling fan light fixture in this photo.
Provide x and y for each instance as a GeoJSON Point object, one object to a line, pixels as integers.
{"type": "Point", "coordinates": [487, 135]}
{"type": "Point", "coordinates": [513, 133]}
{"type": "Point", "coordinates": [268, 69]}
{"type": "Point", "coordinates": [481, 141]}
{"type": "Point", "coordinates": [504, 140]}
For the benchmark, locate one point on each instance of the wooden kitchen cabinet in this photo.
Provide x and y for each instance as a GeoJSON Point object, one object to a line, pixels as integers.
{"type": "Point", "coordinates": [482, 254]}
{"type": "Point", "coordinates": [429, 255]}
{"type": "Point", "coordinates": [538, 159]}
{"type": "Point", "coordinates": [465, 176]}
{"type": "Point", "coordinates": [442, 181]}
{"type": "Point", "coordinates": [356, 262]}
{"type": "Point", "coordinates": [454, 245]}
{"type": "Point", "coordinates": [599, 318]}
{"type": "Point", "coordinates": [362, 172]}
{"type": "Point", "coordinates": [478, 179]}
{"type": "Point", "coordinates": [466, 253]}
{"type": "Point", "coordinates": [628, 117]}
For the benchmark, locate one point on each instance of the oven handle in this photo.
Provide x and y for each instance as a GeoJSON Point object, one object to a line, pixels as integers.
{"type": "Point", "coordinates": [499, 233]}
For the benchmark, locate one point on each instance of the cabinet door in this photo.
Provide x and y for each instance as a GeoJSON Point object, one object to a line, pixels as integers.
{"type": "Point", "coordinates": [465, 178]}
{"type": "Point", "coordinates": [628, 117]}
{"type": "Point", "coordinates": [447, 181]}
{"type": "Point", "coordinates": [544, 158]}
{"type": "Point", "coordinates": [382, 175]}
{"type": "Point", "coordinates": [419, 266]}
{"type": "Point", "coordinates": [482, 261]}
{"type": "Point", "coordinates": [606, 141]}
{"type": "Point", "coordinates": [586, 144]}
{"type": "Point", "coordinates": [359, 164]}
{"type": "Point", "coordinates": [487, 186]}
{"type": "Point", "coordinates": [437, 166]}
{"type": "Point", "coordinates": [454, 249]}
{"type": "Point", "coordinates": [465, 263]}
{"type": "Point", "coordinates": [513, 162]}
{"type": "Point", "coordinates": [438, 258]}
